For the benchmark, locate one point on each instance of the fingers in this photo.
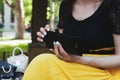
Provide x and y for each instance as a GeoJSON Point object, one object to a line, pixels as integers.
{"type": "Point", "coordinates": [56, 49]}
{"type": "Point", "coordinates": [41, 34]}
{"type": "Point", "coordinates": [61, 50]}
{"type": "Point", "coordinates": [47, 27]}
{"type": "Point", "coordinates": [43, 31]}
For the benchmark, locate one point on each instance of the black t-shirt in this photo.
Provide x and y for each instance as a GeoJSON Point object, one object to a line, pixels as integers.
{"type": "Point", "coordinates": [95, 31]}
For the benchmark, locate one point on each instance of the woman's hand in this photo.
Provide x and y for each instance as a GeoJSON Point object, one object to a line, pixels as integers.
{"type": "Point", "coordinates": [41, 34]}
{"type": "Point", "coordinates": [62, 54]}
{"type": "Point", "coordinates": [58, 49]}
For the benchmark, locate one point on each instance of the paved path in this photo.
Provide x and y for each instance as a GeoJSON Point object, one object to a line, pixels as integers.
{"type": "Point", "coordinates": [12, 34]}
{"type": "Point", "coordinates": [14, 42]}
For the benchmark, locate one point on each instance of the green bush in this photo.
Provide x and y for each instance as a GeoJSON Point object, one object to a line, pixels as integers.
{"type": "Point", "coordinates": [8, 49]}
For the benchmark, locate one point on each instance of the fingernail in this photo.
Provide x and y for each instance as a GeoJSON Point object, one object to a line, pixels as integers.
{"type": "Point", "coordinates": [48, 29]}
{"type": "Point", "coordinates": [57, 42]}
{"type": "Point", "coordinates": [50, 49]}
{"type": "Point", "coordinates": [41, 40]}
{"type": "Point", "coordinates": [43, 36]}
{"type": "Point", "coordinates": [54, 42]}
{"type": "Point", "coordinates": [45, 33]}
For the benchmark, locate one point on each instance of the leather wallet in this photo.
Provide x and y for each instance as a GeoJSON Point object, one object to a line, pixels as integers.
{"type": "Point", "coordinates": [69, 43]}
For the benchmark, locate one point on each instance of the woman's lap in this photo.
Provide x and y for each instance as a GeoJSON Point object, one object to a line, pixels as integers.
{"type": "Point", "coordinates": [49, 67]}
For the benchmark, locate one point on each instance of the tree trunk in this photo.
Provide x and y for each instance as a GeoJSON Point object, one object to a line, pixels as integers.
{"type": "Point", "coordinates": [38, 20]}
{"type": "Point", "coordinates": [19, 13]}
{"type": "Point", "coordinates": [18, 10]}
{"type": "Point", "coordinates": [38, 17]}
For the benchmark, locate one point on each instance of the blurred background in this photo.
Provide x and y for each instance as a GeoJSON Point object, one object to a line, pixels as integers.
{"type": "Point", "coordinates": [21, 19]}
{"type": "Point", "coordinates": [19, 22]}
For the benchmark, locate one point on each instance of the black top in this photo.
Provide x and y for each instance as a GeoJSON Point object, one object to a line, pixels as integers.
{"type": "Point", "coordinates": [95, 31]}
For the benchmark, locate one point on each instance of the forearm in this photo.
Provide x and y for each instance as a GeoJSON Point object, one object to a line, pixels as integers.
{"type": "Point", "coordinates": [112, 61]}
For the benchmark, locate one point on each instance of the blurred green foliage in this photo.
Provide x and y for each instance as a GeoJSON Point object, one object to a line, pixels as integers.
{"type": "Point", "coordinates": [56, 11]}
{"type": "Point", "coordinates": [1, 8]}
{"type": "Point", "coordinates": [28, 10]}
{"type": "Point", "coordinates": [1, 5]}
{"type": "Point", "coordinates": [57, 5]}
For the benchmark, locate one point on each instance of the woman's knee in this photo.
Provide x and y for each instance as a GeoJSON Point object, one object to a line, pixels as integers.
{"type": "Point", "coordinates": [44, 56]}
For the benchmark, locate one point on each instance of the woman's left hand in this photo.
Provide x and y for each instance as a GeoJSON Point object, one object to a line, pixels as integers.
{"type": "Point", "coordinates": [62, 54]}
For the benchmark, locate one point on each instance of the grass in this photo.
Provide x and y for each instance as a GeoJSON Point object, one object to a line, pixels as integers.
{"type": "Point", "coordinates": [1, 30]}
{"type": "Point", "coordinates": [9, 48]}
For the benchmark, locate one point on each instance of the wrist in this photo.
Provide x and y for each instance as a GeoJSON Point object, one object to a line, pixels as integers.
{"type": "Point", "coordinates": [76, 58]}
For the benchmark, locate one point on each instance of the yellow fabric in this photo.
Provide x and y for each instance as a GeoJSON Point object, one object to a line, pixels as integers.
{"type": "Point", "coordinates": [49, 67]}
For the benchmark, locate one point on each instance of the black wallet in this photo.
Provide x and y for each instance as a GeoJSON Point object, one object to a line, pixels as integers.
{"type": "Point", "coordinates": [70, 43]}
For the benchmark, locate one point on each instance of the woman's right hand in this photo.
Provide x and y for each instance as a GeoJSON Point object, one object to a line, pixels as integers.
{"type": "Point", "coordinates": [41, 34]}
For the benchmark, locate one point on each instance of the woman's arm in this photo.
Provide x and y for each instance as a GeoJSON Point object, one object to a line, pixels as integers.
{"type": "Point", "coordinates": [109, 61]}
{"type": "Point", "coordinates": [112, 61]}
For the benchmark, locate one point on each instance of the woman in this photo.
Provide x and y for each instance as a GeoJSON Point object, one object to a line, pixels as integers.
{"type": "Point", "coordinates": [97, 23]}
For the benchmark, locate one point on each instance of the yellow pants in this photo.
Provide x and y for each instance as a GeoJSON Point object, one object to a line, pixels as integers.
{"type": "Point", "coordinates": [49, 67]}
